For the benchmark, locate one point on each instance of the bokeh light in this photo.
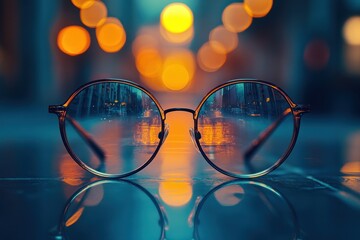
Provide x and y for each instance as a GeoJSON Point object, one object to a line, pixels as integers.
{"type": "Point", "coordinates": [149, 62]}
{"type": "Point", "coordinates": [176, 17]}
{"type": "Point", "coordinates": [222, 40]}
{"type": "Point", "coordinates": [143, 41]}
{"type": "Point", "coordinates": [316, 54]}
{"type": "Point", "coordinates": [111, 35]}
{"type": "Point", "coordinates": [351, 31]}
{"type": "Point", "coordinates": [236, 17]}
{"type": "Point", "coordinates": [94, 14]}
{"type": "Point", "coordinates": [210, 60]}
{"type": "Point", "coordinates": [229, 195]}
{"type": "Point", "coordinates": [178, 38]}
{"type": "Point", "coordinates": [73, 40]}
{"type": "Point", "coordinates": [258, 8]}
{"type": "Point", "coordinates": [83, 3]}
{"type": "Point", "coordinates": [175, 193]}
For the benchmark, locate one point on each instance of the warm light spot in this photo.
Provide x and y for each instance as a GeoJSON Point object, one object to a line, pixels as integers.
{"type": "Point", "coordinates": [175, 193]}
{"type": "Point", "coordinates": [73, 40]}
{"type": "Point", "coordinates": [236, 18]}
{"type": "Point", "coordinates": [144, 41]}
{"type": "Point", "coordinates": [176, 17]}
{"type": "Point", "coordinates": [351, 167]}
{"type": "Point", "coordinates": [183, 57]}
{"type": "Point", "coordinates": [175, 76]}
{"type": "Point", "coordinates": [178, 38]}
{"type": "Point", "coordinates": [316, 54]}
{"type": "Point", "coordinates": [75, 217]}
{"type": "Point", "coordinates": [351, 30]}
{"type": "Point", "coordinates": [83, 3]}
{"type": "Point", "coordinates": [229, 195]}
{"type": "Point", "coordinates": [94, 14]}
{"type": "Point", "coordinates": [210, 60]}
{"type": "Point", "coordinates": [93, 196]}
{"type": "Point", "coordinates": [267, 99]}
{"type": "Point", "coordinates": [223, 41]}
{"type": "Point", "coordinates": [111, 35]}
{"type": "Point", "coordinates": [149, 62]}
{"type": "Point", "coordinates": [258, 8]}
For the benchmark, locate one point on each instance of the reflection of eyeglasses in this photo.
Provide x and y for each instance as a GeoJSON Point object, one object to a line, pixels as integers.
{"type": "Point", "coordinates": [243, 128]}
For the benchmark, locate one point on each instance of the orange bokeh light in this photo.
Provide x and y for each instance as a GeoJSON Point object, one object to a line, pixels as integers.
{"type": "Point", "coordinates": [175, 193]}
{"type": "Point", "coordinates": [229, 195]}
{"type": "Point", "coordinates": [111, 35]}
{"type": "Point", "coordinates": [258, 8]}
{"type": "Point", "coordinates": [210, 60]}
{"type": "Point", "coordinates": [149, 62]}
{"type": "Point", "coordinates": [73, 40]}
{"type": "Point", "coordinates": [222, 40]}
{"type": "Point", "coordinates": [236, 18]}
{"type": "Point", "coordinates": [83, 3]}
{"type": "Point", "coordinates": [93, 14]}
{"type": "Point", "coordinates": [351, 31]}
{"type": "Point", "coordinates": [176, 17]}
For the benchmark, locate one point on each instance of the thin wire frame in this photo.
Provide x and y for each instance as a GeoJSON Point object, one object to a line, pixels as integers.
{"type": "Point", "coordinates": [296, 111]}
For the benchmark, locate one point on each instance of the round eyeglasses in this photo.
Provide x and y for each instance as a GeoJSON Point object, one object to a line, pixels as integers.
{"type": "Point", "coordinates": [243, 128]}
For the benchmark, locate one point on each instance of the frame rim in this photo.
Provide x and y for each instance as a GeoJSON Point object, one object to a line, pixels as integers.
{"type": "Point", "coordinates": [296, 115]}
{"type": "Point", "coordinates": [62, 127]}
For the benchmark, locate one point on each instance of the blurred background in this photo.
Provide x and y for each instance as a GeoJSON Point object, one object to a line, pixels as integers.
{"type": "Point", "coordinates": [310, 48]}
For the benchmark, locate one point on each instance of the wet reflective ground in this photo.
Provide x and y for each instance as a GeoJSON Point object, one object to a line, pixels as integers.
{"type": "Point", "coordinates": [315, 194]}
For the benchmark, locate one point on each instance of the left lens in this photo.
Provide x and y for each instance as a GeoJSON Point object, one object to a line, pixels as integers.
{"type": "Point", "coordinates": [246, 128]}
{"type": "Point", "coordinates": [112, 128]}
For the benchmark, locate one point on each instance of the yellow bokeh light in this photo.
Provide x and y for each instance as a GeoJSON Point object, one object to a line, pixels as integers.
{"type": "Point", "coordinates": [83, 3]}
{"type": "Point", "coordinates": [175, 193]}
{"type": "Point", "coordinates": [178, 38]}
{"type": "Point", "coordinates": [111, 35]}
{"type": "Point", "coordinates": [258, 8]}
{"type": "Point", "coordinates": [210, 60]}
{"type": "Point", "coordinates": [223, 40]}
{"type": "Point", "coordinates": [351, 31]}
{"type": "Point", "coordinates": [176, 17]}
{"type": "Point", "coordinates": [178, 69]}
{"type": "Point", "coordinates": [175, 76]}
{"type": "Point", "coordinates": [93, 14]}
{"type": "Point", "coordinates": [236, 18]}
{"type": "Point", "coordinates": [73, 40]}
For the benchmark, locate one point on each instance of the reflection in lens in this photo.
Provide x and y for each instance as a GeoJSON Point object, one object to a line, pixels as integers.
{"type": "Point", "coordinates": [123, 210]}
{"type": "Point", "coordinates": [245, 210]}
{"type": "Point", "coordinates": [113, 127]}
{"type": "Point", "coordinates": [245, 128]}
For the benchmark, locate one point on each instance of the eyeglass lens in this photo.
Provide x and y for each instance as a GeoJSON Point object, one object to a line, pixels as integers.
{"type": "Point", "coordinates": [245, 127]}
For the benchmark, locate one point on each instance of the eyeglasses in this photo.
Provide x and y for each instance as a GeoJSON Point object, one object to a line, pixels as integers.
{"type": "Point", "coordinates": [243, 128]}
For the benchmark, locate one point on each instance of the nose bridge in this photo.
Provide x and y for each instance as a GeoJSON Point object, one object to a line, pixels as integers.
{"type": "Point", "coordinates": [180, 110]}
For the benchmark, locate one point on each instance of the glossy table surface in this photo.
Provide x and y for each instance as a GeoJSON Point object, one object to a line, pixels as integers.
{"type": "Point", "coordinates": [315, 194]}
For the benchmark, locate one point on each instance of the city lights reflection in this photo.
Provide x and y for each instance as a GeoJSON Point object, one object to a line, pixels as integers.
{"type": "Point", "coordinates": [94, 14]}
{"type": "Point", "coordinates": [236, 18]}
{"type": "Point", "coordinates": [176, 17]}
{"type": "Point", "coordinates": [111, 35]}
{"type": "Point", "coordinates": [73, 40]}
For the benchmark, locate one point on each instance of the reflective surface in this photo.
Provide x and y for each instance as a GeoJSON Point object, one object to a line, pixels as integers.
{"type": "Point", "coordinates": [315, 194]}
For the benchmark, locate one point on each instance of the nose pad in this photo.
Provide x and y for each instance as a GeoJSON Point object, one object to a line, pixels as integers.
{"type": "Point", "coordinates": [164, 134]}
{"type": "Point", "coordinates": [193, 138]}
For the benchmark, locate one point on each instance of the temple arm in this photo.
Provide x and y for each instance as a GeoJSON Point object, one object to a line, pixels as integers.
{"type": "Point", "coordinates": [257, 143]}
{"type": "Point", "coordinates": [88, 139]}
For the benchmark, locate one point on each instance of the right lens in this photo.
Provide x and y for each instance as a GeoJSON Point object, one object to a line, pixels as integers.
{"type": "Point", "coordinates": [246, 128]}
{"type": "Point", "coordinates": [113, 127]}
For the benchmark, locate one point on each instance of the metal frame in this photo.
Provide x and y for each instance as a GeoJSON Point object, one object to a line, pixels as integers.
{"type": "Point", "coordinates": [296, 110]}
